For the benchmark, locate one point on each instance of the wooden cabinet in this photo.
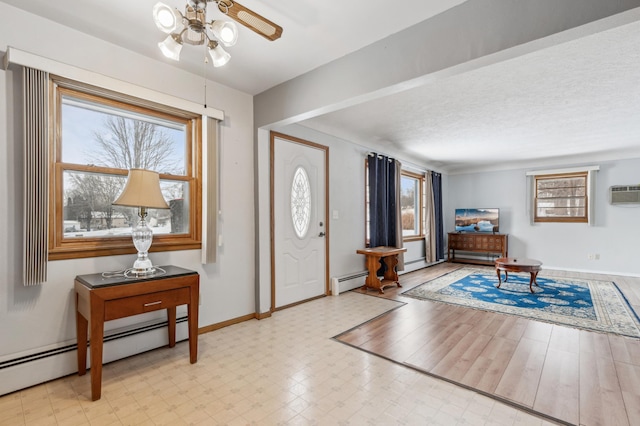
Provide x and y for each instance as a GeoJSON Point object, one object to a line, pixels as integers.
{"type": "Point", "coordinates": [100, 299]}
{"type": "Point", "coordinates": [476, 243]}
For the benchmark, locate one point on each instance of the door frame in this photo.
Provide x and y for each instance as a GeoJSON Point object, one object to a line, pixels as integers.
{"type": "Point", "coordinates": [293, 139]}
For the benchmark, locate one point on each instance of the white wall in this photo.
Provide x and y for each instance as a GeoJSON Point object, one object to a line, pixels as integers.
{"type": "Point", "coordinates": [40, 317]}
{"type": "Point", "coordinates": [615, 235]}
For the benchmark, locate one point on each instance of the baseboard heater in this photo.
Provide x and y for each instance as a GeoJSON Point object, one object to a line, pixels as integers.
{"type": "Point", "coordinates": [28, 370]}
{"type": "Point", "coordinates": [347, 282]}
{"type": "Point", "coordinates": [69, 348]}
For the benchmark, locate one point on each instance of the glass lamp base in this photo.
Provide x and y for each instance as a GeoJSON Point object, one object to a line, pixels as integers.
{"type": "Point", "coordinates": [141, 272]}
{"type": "Point", "coordinates": [142, 237]}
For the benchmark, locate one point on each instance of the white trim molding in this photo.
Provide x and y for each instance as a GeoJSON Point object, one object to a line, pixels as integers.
{"type": "Point", "coordinates": [562, 171]}
{"type": "Point", "coordinates": [26, 59]}
{"type": "Point", "coordinates": [591, 188]}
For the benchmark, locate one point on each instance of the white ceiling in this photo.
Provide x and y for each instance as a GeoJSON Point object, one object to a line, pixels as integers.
{"type": "Point", "coordinates": [575, 102]}
{"type": "Point", "coordinates": [564, 104]}
{"type": "Point", "coordinates": [315, 32]}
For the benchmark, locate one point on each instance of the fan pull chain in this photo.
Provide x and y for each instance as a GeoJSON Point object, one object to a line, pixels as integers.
{"type": "Point", "coordinates": [204, 71]}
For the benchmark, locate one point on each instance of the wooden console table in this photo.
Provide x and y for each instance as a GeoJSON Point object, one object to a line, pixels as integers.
{"type": "Point", "coordinates": [390, 258]}
{"type": "Point", "coordinates": [100, 299]}
{"type": "Point", "coordinates": [478, 243]}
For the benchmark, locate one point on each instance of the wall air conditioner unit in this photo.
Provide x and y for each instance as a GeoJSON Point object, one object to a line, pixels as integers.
{"type": "Point", "coordinates": [624, 194]}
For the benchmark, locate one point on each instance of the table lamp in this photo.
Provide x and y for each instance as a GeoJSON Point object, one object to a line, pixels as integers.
{"type": "Point", "coordinates": [142, 190]}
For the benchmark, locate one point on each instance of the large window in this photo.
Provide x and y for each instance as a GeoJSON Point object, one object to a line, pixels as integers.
{"type": "Point", "coordinates": [561, 198]}
{"type": "Point", "coordinates": [412, 206]}
{"type": "Point", "coordinates": [98, 137]}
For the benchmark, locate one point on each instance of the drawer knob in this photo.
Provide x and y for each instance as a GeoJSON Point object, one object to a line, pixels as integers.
{"type": "Point", "coordinates": [153, 303]}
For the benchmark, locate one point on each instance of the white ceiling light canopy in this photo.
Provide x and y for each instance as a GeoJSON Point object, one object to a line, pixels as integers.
{"type": "Point", "coordinates": [192, 27]}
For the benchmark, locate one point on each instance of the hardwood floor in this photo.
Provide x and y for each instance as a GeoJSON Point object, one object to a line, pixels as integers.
{"type": "Point", "coordinates": [561, 373]}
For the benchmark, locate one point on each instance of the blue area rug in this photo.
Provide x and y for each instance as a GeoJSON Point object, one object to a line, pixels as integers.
{"type": "Point", "coordinates": [586, 304]}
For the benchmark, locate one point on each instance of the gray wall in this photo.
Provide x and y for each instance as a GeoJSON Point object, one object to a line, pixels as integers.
{"type": "Point", "coordinates": [615, 234]}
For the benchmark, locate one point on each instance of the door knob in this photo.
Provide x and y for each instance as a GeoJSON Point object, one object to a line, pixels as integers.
{"type": "Point", "coordinates": [321, 234]}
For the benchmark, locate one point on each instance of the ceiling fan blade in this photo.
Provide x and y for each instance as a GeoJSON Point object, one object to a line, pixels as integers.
{"type": "Point", "coordinates": [250, 19]}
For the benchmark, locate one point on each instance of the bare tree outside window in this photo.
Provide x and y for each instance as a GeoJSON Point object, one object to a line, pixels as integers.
{"type": "Point", "coordinates": [133, 144]}
{"type": "Point", "coordinates": [411, 204]}
{"type": "Point", "coordinates": [92, 193]}
{"type": "Point", "coordinates": [117, 140]}
{"type": "Point", "coordinates": [98, 136]}
{"type": "Point", "coordinates": [561, 198]}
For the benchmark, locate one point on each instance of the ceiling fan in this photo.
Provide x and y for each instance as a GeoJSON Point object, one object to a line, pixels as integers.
{"type": "Point", "coordinates": [192, 27]}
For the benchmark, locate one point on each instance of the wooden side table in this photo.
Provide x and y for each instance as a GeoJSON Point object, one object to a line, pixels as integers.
{"type": "Point", "coordinates": [100, 299]}
{"type": "Point", "coordinates": [390, 257]}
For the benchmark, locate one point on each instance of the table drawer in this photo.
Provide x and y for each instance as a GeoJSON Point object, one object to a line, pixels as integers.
{"type": "Point", "coordinates": [126, 306]}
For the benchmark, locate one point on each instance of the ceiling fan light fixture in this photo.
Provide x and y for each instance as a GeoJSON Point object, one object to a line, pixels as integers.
{"type": "Point", "coordinates": [225, 31]}
{"type": "Point", "coordinates": [191, 27]}
{"type": "Point", "coordinates": [171, 47]}
{"type": "Point", "coordinates": [166, 18]}
{"type": "Point", "coordinates": [219, 56]}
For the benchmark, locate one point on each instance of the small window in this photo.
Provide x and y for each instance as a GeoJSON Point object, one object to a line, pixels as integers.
{"type": "Point", "coordinates": [411, 205]}
{"type": "Point", "coordinates": [561, 198]}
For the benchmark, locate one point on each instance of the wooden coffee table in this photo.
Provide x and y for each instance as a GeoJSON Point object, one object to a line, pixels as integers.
{"type": "Point", "coordinates": [512, 264]}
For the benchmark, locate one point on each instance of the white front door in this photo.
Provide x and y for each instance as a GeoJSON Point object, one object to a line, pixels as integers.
{"type": "Point", "coordinates": [299, 220]}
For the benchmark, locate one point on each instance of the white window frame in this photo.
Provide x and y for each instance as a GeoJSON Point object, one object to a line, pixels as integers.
{"type": "Point", "coordinates": [419, 208]}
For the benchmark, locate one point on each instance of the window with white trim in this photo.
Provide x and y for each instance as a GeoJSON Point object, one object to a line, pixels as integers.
{"type": "Point", "coordinates": [412, 205]}
{"type": "Point", "coordinates": [561, 197]}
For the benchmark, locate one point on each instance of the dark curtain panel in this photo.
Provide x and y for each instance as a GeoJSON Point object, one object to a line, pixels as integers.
{"type": "Point", "coordinates": [382, 201]}
{"type": "Point", "coordinates": [436, 181]}
{"type": "Point", "coordinates": [383, 207]}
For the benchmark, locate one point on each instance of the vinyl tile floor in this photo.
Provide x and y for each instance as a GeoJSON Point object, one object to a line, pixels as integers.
{"type": "Point", "coordinates": [283, 370]}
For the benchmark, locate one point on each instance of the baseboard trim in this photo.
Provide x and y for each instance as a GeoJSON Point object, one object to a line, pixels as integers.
{"type": "Point", "coordinates": [263, 315]}
{"type": "Point", "coordinates": [29, 369]}
{"type": "Point", "coordinates": [219, 325]}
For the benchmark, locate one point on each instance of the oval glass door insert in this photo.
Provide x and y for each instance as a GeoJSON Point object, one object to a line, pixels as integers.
{"type": "Point", "coordinates": [300, 202]}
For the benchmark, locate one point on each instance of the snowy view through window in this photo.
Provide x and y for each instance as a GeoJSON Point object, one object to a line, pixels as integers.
{"type": "Point", "coordinates": [98, 141]}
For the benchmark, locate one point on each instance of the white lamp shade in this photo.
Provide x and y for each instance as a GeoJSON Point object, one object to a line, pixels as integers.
{"type": "Point", "coordinates": [219, 56]}
{"type": "Point", "coordinates": [225, 31]}
{"type": "Point", "coordinates": [142, 190]}
{"type": "Point", "coordinates": [170, 48]}
{"type": "Point", "coordinates": [167, 19]}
